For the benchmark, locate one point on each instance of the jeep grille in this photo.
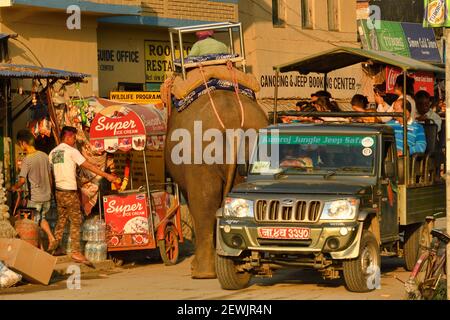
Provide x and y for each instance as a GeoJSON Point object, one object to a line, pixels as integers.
{"type": "Point", "coordinates": [299, 211]}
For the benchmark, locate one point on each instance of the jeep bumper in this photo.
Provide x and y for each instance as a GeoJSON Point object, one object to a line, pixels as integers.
{"type": "Point", "coordinates": [340, 240]}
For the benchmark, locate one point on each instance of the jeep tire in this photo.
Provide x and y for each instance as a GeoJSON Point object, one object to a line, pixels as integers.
{"type": "Point", "coordinates": [229, 277]}
{"type": "Point", "coordinates": [415, 237]}
{"type": "Point", "coordinates": [360, 274]}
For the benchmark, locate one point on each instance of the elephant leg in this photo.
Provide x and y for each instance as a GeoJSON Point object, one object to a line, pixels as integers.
{"type": "Point", "coordinates": [203, 204]}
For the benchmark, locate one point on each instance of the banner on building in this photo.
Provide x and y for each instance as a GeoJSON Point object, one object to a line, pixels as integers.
{"type": "Point", "coordinates": [391, 38]}
{"type": "Point", "coordinates": [421, 42]}
{"type": "Point", "coordinates": [436, 13]}
{"type": "Point", "coordinates": [422, 80]}
{"type": "Point", "coordinates": [158, 60]}
{"type": "Point", "coordinates": [342, 83]}
{"type": "Point", "coordinates": [406, 39]}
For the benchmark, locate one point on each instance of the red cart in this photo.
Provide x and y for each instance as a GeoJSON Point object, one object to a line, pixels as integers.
{"type": "Point", "coordinates": [149, 216]}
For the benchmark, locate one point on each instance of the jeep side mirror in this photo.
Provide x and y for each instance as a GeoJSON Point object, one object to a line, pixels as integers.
{"type": "Point", "coordinates": [242, 169]}
{"type": "Point", "coordinates": [389, 169]}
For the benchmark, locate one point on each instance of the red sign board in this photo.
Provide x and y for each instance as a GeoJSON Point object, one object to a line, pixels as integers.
{"type": "Point", "coordinates": [125, 127]}
{"type": "Point", "coordinates": [422, 80]}
{"type": "Point", "coordinates": [127, 220]}
{"type": "Point", "coordinates": [120, 122]}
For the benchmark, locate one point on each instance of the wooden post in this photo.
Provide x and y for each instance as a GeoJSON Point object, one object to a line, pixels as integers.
{"type": "Point", "coordinates": [447, 143]}
{"type": "Point", "coordinates": [275, 105]}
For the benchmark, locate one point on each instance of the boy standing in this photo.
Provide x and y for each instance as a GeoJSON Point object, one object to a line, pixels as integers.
{"type": "Point", "coordinates": [36, 169]}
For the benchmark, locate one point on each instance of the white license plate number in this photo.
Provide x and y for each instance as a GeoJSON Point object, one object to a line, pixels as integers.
{"type": "Point", "coordinates": [284, 233]}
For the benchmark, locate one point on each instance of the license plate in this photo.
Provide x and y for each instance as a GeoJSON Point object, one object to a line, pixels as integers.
{"type": "Point", "coordinates": [284, 233]}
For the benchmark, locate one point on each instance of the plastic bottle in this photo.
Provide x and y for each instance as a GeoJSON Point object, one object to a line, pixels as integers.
{"type": "Point", "coordinates": [102, 249]}
{"type": "Point", "coordinates": [89, 250]}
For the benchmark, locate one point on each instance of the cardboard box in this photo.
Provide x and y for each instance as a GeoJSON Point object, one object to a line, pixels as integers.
{"type": "Point", "coordinates": [32, 263]}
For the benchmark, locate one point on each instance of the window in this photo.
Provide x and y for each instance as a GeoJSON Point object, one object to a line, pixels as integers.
{"type": "Point", "coordinates": [278, 13]}
{"type": "Point", "coordinates": [333, 15]}
{"type": "Point", "coordinates": [307, 14]}
{"type": "Point", "coordinates": [128, 86]}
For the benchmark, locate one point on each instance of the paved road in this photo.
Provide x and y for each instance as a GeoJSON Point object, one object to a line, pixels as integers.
{"type": "Point", "coordinates": [152, 280]}
{"type": "Point", "coordinates": [155, 281]}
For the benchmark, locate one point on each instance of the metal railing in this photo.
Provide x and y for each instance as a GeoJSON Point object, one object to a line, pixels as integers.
{"type": "Point", "coordinates": [228, 26]}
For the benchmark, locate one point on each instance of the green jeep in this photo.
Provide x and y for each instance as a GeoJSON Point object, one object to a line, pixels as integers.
{"type": "Point", "coordinates": [331, 197]}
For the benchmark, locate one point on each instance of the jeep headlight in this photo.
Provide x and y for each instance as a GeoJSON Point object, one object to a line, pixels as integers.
{"type": "Point", "coordinates": [344, 209]}
{"type": "Point", "coordinates": [235, 207]}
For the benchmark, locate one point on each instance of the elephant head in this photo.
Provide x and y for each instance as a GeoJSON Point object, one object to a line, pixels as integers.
{"type": "Point", "coordinates": [203, 182]}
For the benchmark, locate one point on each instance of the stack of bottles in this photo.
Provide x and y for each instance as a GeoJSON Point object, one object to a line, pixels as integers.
{"type": "Point", "coordinates": [6, 229]}
{"type": "Point", "coordinates": [94, 232]}
{"type": "Point", "coordinates": [2, 189]}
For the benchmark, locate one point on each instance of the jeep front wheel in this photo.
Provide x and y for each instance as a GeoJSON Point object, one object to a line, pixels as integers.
{"type": "Point", "coordinates": [229, 276]}
{"type": "Point", "coordinates": [363, 273]}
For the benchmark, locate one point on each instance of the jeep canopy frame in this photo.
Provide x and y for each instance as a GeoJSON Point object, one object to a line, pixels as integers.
{"type": "Point", "coordinates": [341, 57]}
{"type": "Point", "coordinates": [224, 26]}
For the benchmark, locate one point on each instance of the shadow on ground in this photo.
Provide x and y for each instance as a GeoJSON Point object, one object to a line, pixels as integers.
{"type": "Point", "coordinates": [305, 276]}
{"type": "Point", "coordinates": [138, 258]}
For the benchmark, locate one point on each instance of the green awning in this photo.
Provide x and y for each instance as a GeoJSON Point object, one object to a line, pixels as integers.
{"type": "Point", "coordinates": [342, 57]}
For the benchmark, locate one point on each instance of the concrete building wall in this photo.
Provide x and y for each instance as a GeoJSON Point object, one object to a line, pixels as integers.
{"type": "Point", "coordinates": [116, 42]}
{"type": "Point", "coordinates": [43, 38]}
{"type": "Point", "coordinates": [191, 9]}
{"type": "Point", "coordinates": [268, 45]}
{"type": "Point", "coordinates": [41, 26]}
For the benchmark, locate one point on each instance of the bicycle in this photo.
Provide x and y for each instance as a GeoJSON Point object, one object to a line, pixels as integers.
{"type": "Point", "coordinates": [428, 279]}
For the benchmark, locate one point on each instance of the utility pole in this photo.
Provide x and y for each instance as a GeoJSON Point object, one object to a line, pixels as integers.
{"type": "Point", "coordinates": [447, 144]}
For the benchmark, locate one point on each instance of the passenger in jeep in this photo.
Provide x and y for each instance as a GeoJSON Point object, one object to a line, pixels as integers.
{"type": "Point", "coordinates": [294, 156]}
{"type": "Point", "coordinates": [424, 111]}
{"type": "Point", "coordinates": [416, 134]}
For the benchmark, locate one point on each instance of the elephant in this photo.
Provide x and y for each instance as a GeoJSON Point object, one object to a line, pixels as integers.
{"type": "Point", "coordinates": [203, 185]}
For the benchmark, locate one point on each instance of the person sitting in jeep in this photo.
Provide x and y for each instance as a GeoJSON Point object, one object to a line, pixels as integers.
{"type": "Point", "coordinates": [294, 156]}
{"type": "Point", "coordinates": [416, 135]}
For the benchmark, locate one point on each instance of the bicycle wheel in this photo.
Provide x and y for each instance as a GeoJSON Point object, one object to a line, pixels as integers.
{"type": "Point", "coordinates": [416, 285]}
{"type": "Point", "coordinates": [426, 278]}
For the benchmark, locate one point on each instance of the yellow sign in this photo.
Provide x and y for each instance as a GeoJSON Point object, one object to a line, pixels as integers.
{"type": "Point", "coordinates": [136, 97]}
{"type": "Point", "coordinates": [158, 60]}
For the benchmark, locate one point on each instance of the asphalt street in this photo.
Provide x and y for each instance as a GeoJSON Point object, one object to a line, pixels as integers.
{"type": "Point", "coordinates": [148, 279]}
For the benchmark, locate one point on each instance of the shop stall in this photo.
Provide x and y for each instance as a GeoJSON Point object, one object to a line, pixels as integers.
{"type": "Point", "coordinates": [138, 216]}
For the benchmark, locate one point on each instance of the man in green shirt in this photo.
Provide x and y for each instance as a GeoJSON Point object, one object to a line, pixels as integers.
{"type": "Point", "coordinates": [206, 44]}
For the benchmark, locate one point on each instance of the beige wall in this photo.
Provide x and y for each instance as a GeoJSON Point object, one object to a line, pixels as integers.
{"type": "Point", "coordinates": [191, 9]}
{"type": "Point", "coordinates": [116, 39]}
{"type": "Point", "coordinates": [267, 45]}
{"type": "Point", "coordinates": [51, 43]}
{"type": "Point", "coordinates": [45, 39]}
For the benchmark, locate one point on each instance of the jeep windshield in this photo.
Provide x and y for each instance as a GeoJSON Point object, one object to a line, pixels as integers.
{"type": "Point", "coordinates": [325, 155]}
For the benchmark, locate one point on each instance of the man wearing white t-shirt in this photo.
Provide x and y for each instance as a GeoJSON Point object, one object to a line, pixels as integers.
{"type": "Point", "coordinates": [382, 106]}
{"type": "Point", "coordinates": [64, 160]}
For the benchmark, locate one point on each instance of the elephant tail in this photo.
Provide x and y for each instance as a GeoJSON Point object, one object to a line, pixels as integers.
{"type": "Point", "coordinates": [232, 169]}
